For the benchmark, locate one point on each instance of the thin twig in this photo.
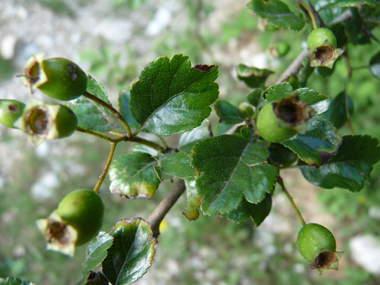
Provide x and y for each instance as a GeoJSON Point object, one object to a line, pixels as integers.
{"type": "Point", "coordinates": [290, 198]}
{"type": "Point", "coordinates": [294, 67]}
{"type": "Point", "coordinates": [147, 143]}
{"type": "Point", "coordinates": [165, 205]}
{"type": "Point", "coordinates": [95, 134]}
{"type": "Point", "coordinates": [111, 109]}
{"type": "Point", "coordinates": [105, 170]}
{"type": "Point", "coordinates": [123, 138]}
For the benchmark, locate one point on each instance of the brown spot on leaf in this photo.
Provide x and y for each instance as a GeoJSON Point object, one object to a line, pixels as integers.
{"type": "Point", "coordinates": [203, 67]}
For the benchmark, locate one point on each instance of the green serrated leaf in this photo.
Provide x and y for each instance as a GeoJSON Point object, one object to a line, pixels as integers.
{"type": "Point", "coordinates": [374, 65]}
{"type": "Point", "coordinates": [96, 252]}
{"type": "Point", "coordinates": [350, 3]}
{"type": "Point", "coordinates": [14, 281]}
{"type": "Point", "coordinates": [228, 113]}
{"type": "Point", "coordinates": [91, 116]}
{"type": "Point", "coordinates": [254, 97]}
{"type": "Point", "coordinates": [350, 168]}
{"type": "Point", "coordinates": [310, 96]}
{"type": "Point", "coordinates": [233, 169]}
{"type": "Point", "coordinates": [172, 97]}
{"type": "Point", "coordinates": [132, 175]}
{"type": "Point", "coordinates": [319, 102]}
{"type": "Point", "coordinates": [318, 144]}
{"type": "Point", "coordinates": [257, 212]}
{"type": "Point", "coordinates": [277, 14]}
{"type": "Point", "coordinates": [189, 139]}
{"type": "Point", "coordinates": [178, 165]}
{"type": "Point", "coordinates": [252, 76]}
{"type": "Point", "coordinates": [278, 91]}
{"type": "Point", "coordinates": [124, 98]}
{"type": "Point", "coordinates": [336, 113]}
{"type": "Point", "coordinates": [95, 88]}
{"type": "Point", "coordinates": [132, 252]}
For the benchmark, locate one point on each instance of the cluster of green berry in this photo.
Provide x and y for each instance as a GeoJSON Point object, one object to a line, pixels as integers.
{"type": "Point", "coordinates": [279, 121]}
{"type": "Point", "coordinates": [79, 215]}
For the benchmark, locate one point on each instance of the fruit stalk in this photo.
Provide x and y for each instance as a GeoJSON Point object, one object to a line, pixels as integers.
{"type": "Point", "coordinates": [290, 198]}
{"type": "Point", "coordinates": [105, 170]}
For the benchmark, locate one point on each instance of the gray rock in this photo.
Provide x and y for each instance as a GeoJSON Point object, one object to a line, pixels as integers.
{"type": "Point", "coordinates": [365, 251]}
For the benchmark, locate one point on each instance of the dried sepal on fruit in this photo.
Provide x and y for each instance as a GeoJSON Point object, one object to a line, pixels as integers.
{"type": "Point", "coordinates": [279, 121]}
{"type": "Point", "coordinates": [59, 236]}
{"type": "Point", "coordinates": [77, 219]}
{"type": "Point", "coordinates": [58, 78]}
{"type": "Point", "coordinates": [42, 121]}
{"type": "Point", "coordinates": [10, 112]}
{"type": "Point", "coordinates": [322, 46]}
{"type": "Point", "coordinates": [317, 245]}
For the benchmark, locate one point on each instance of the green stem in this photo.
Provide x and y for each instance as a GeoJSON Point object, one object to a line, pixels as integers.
{"type": "Point", "coordinates": [290, 198]}
{"type": "Point", "coordinates": [147, 143]}
{"type": "Point", "coordinates": [82, 130]}
{"type": "Point", "coordinates": [105, 170]}
{"type": "Point", "coordinates": [310, 14]}
{"type": "Point", "coordinates": [123, 138]}
{"type": "Point", "coordinates": [111, 109]}
{"type": "Point", "coordinates": [117, 134]}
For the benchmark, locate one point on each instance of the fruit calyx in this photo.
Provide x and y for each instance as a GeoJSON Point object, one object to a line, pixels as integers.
{"type": "Point", "coordinates": [292, 112]}
{"type": "Point", "coordinates": [321, 44]}
{"type": "Point", "coordinates": [42, 122]}
{"type": "Point", "coordinates": [58, 78]}
{"type": "Point", "coordinates": [59, 236]}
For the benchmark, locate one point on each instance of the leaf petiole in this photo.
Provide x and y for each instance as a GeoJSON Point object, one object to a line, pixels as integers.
{"type": "Point", "coordinates": [111, 109]}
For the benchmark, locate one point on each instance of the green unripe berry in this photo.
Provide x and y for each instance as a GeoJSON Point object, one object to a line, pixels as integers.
{"type": "Point", "coordinates": [269, 126]}
{"type": "Point", "coordinates": [10, 111]}
{"type": "Point", "coordinates": [47, 122]}
{"type": "Point", "coordinates": [317, 245]}
{"type": "Point", "coordinates": [58, 78]}
{"type": "Point", "coordinates": [313, 238]}
{"type": "Point", "coordinates": [319, 36]}
{"type": "Point", "coordinates": [83, 210]}
{"type": "Point", "coordinates": [321, 44]}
